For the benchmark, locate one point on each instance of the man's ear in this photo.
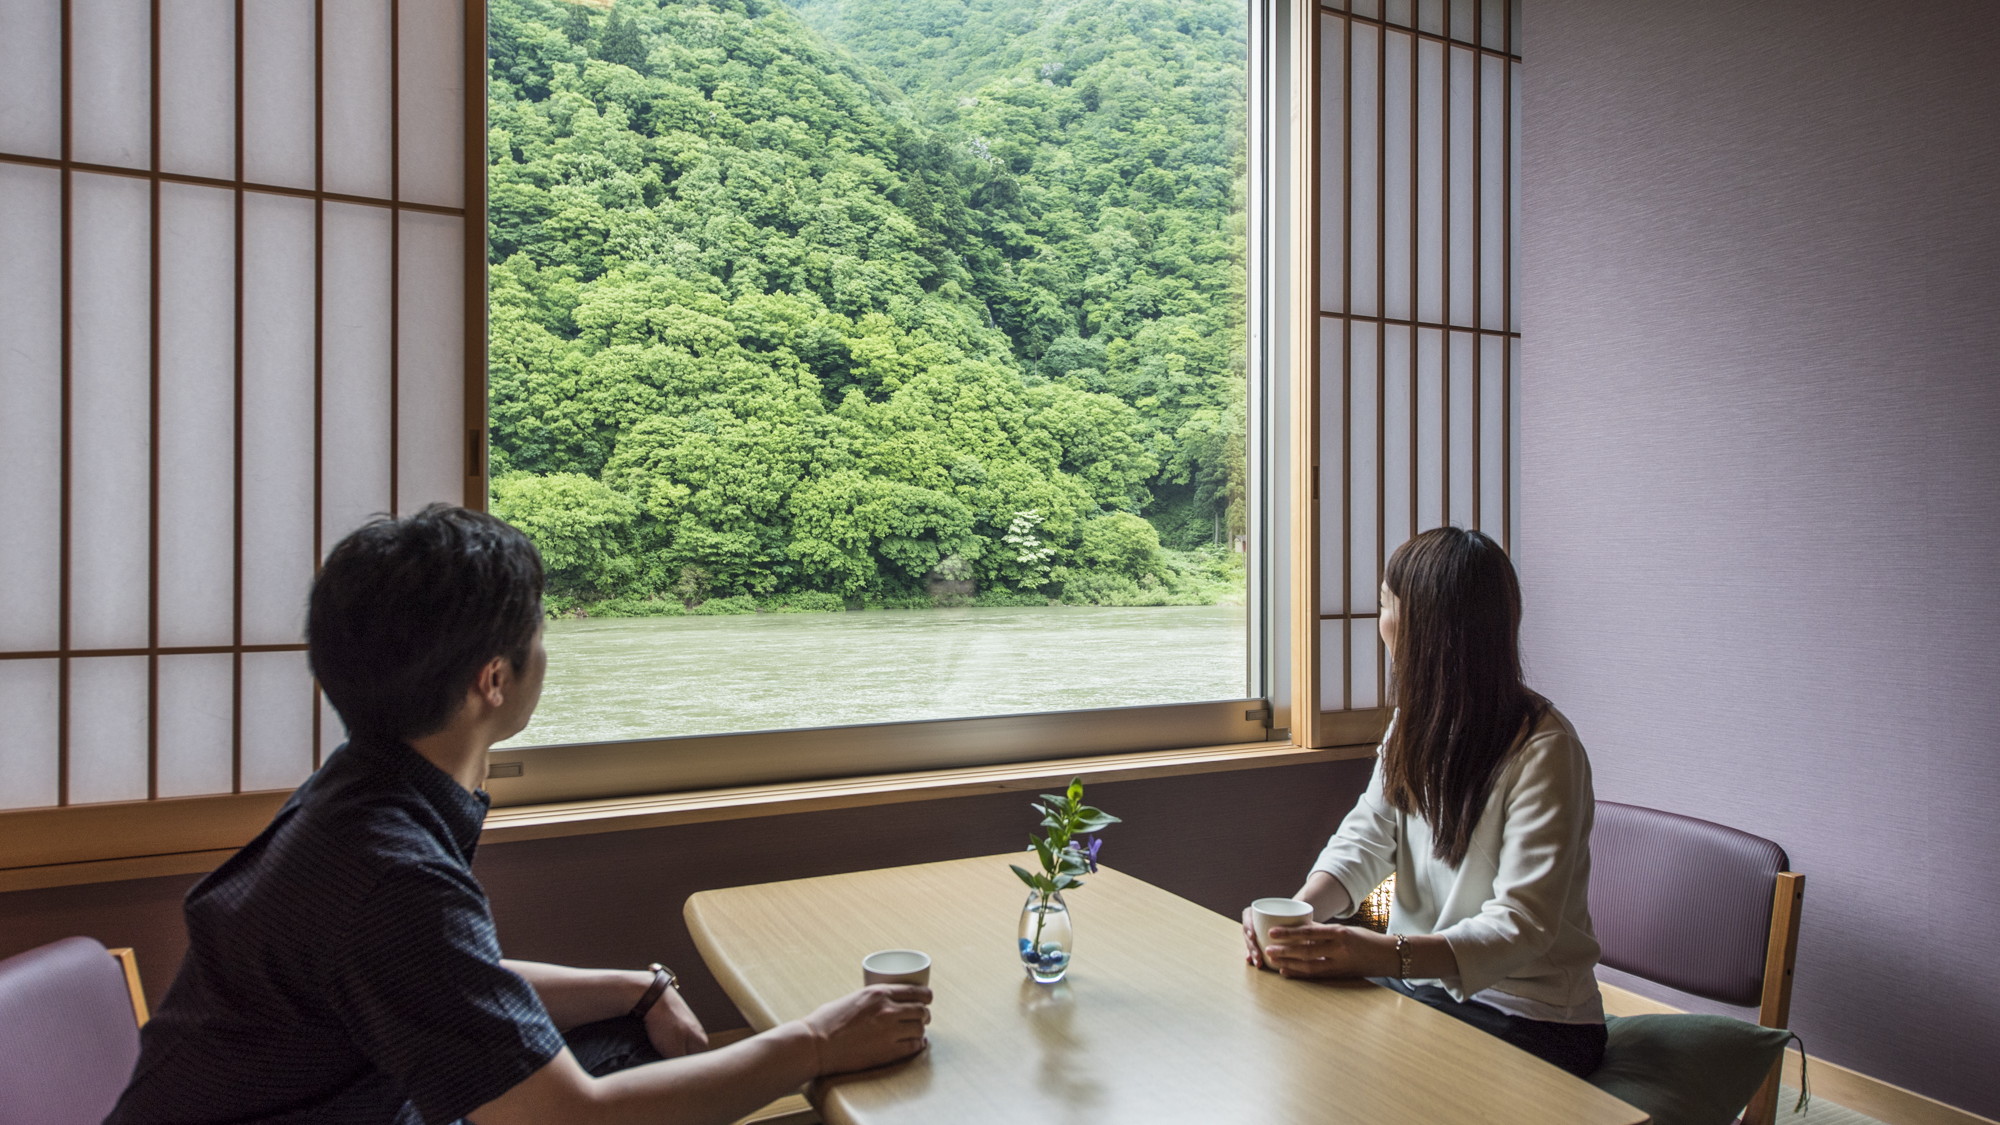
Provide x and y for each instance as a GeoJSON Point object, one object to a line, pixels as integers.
{"type": "Point", "coordinates": [494, 681]}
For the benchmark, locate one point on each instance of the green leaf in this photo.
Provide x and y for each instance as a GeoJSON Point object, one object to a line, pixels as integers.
{"type": "Point", "coordinates": [1065, 882]}
{"type": "Point", "coordinates": [1075, 790]}
{"type": "Point", "coordinates": [1023, 873]}
{"type": "Point", "coordinates": [1096, 821]}
{"type": "Point", "coordinates": [1048, 855]}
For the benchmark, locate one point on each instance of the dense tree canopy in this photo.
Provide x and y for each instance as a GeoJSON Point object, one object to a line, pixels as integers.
{"type": "Point", "coordinates": [797, 307]}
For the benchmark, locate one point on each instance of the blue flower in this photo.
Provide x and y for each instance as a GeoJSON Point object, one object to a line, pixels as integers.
{"type": "Point", "coordinates": [1090, 853]}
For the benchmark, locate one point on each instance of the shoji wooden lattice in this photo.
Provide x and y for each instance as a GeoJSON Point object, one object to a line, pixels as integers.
{"type": "Point", "coordinates": [1419, 337]}
{"type": "Point", "coordinates": [234, 243]}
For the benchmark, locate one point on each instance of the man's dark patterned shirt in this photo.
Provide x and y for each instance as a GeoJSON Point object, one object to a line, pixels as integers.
{"type": "Point", "coordinates": [342, 968]}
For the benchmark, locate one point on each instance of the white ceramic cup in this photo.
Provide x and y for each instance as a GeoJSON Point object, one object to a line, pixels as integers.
{"type": "Point", "coordinates": [896, 966]}
{"type": "Point", "coordinates": [1268, 912]}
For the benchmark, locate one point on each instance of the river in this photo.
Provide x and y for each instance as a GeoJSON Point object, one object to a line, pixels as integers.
{"type": "Point", "coordinates": [616, 678]}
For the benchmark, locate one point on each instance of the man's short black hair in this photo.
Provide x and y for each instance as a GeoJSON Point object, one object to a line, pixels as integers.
{"type": "Point", "coordinates": [407, 611]}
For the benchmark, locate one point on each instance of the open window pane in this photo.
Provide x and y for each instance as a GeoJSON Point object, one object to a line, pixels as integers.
{"type": "Point", "coordinates": [846, 373]}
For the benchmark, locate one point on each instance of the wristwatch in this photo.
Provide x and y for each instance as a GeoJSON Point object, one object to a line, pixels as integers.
{"type": "Point", "coordinates": [1402, 956]}
{"type": "Point", "coordinates": [663, 978]}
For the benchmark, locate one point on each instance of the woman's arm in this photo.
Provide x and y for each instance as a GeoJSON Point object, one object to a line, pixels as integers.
{"type": "Point", "coordinates": [1316, 950]}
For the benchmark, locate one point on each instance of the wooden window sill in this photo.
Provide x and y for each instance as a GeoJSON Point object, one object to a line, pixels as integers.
{"type": "Point", "coordinates": [143, 839]}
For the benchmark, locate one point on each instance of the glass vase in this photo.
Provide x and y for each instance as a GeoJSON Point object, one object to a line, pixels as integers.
{"type": "Point", "coordinates": [1046, 938]}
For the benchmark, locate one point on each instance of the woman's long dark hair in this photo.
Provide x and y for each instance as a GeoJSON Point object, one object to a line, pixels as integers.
{"type": "Point", "coordinates": [1456, 683]}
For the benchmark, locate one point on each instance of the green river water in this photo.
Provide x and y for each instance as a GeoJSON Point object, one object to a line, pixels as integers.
{"type": "Point", "coordinates": [650, 677]}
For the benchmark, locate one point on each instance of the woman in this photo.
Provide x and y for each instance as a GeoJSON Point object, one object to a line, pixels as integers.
{"type": "Point", "coordinates": [1481, 805]}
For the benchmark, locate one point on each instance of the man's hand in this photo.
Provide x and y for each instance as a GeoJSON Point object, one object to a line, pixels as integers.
{"type": "Point", "coordinates": [879, 1024]}
{"type": "Point", "coordinates": [672, 1027]}
{"type": "Point", "coordinates": [1316, 950]}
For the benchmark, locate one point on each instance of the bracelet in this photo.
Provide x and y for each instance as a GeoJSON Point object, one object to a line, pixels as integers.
{"type": "Point", "coordinates": [663, 978]}
{"type": "Point", "coordinates": [1402, 956]}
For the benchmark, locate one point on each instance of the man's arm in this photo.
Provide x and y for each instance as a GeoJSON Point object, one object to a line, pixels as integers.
{"type": "Point", "coordinates": [575, 997]}
{"type": "Point", "coordinates": [869, 1028]}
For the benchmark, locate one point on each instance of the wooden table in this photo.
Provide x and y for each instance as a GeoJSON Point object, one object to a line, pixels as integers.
{"type": "Point", "coordinates": [1160, 1021]}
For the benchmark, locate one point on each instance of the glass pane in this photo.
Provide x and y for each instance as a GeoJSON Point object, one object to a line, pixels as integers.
{"type": "Point", "coordinates": [110, 385]}
{"type": "Point", "coordinates": [277, 720]}
{"type": "Point", "coordinates": [31, 423]}
{"type": "Point", "coordinates": [107, 729]}
{"type": "Point", "coordinates": [1363, 419]}
{"type": "Point", "coordinates": [197, 723]}
{"type": "Point", "coordinates": [197, 465]}
{"type": "Point", "coordinates": [430, 393]}
{"type": "Point", "coordinates": [943, 370]}
{"type": "Point", "coordinates": [31, 78]}
{"type": "Point", "coordinates": [198, 87]}
{"type": "Point", "coordinates": [28, 755]}
{"type": "Point", "coordinates": [1397, 189]}
{"type": "Point", "coordinates": [277, 416]}
{"type": "Point", "coordinates": [431, 68]}
{"type": "Point", "coordinates": [355, 392]}
{"type": "Point", "coordinates": [1463, 381]}
{"type": "Point", "coordinates": [110, 88]}
{"type": "Point", "coordinates": [278, 91]}
{"type": "Point", "coordinates": [1363, 185]}
{"type": "Point", "coordinates": [355, 68]}
{"type": "Point", "coordinates": [1333, 165]}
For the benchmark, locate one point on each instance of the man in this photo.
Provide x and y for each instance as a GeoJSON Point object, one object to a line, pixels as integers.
{"type": "Point", "coordinates": [343, 966]}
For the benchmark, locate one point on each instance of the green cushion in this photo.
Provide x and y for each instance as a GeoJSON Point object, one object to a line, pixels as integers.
{"type": "Point", "coordinates": [1687, 1069]}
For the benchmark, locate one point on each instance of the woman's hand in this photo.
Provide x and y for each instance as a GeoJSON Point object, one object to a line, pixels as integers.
{"type": "Point", "coordinates": [1252, 954]}
{"type": "Point", "coordinates": [1317, 950]}
{"type": "Point", "coordinates": [672, 1028]}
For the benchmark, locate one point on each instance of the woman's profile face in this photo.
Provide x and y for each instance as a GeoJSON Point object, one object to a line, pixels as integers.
{"type": "Point", "coordinates": [1385, 619]}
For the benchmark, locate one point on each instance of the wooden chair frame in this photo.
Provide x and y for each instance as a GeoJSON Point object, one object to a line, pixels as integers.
{"type": "Point", "coordinates": [129, 961]}
{"type": "Point", "coordinates": [1781, 951]}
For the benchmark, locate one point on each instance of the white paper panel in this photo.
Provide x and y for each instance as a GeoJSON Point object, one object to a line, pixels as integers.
{"type": "Point", "coordinates": [31, 79]}
{"type": "Point", "coordinates": [431, 363]}
{"type": "Point", "coordinates": [1430, 429]}
{"type": "Point", "coordinates": [1333, 163]}
{"type": "Point", "coordinates": [1514, 36]}
{"type": "Point", "coordinates": [1492, 194]}
{"type": "Point", "coordinates": [31, 421]}
{"type": "Point", "coordinates": [110, 86]}
{"type": "Point", "coordinates": [277, 416]}
{"type": "Point", "coordinates": [1369, 8]}
{"type": "Point", "coordinates": [1398, 369]}
{"type": "Point", "coordinates": [1464, 272]}
{"type": "Point", "coordinates": [1363, 189]}
{"type": "Point", "coordinates": [1332, 458]}
{"type": "Point", "coordinates": [1430, 181]}
{"type": "Point", "coordinates": [197, 484]}
{"type": "Point", "coordinates": [1514, 466]}
{"type": "Point", "coordinates": [354, 385]}
{"type": "Point", "coordinates": [28, 755]}
{"type": "Point", "coordinates": [1397, 200]}
{"type": "Point", "coordinates": [107, 729]}
{"type": "Point", "coordinates": [110, 356]}
{"type": "Point", "coordinates": [1365, 672]}
{"type": "Point", "coordinates": [277, 720]}
{"type": "Point", "coordinates": [278, 92]}
{"type": "Point", "coordinates": [1363, 415]}
{"type": "Point", "coordinates": [1461, 385]}
{"type": "Point", "coordinates": [197, 705]}
{"type": "Point", "coordinates": [1493, 24]}
{"type": "Point", "coordinates": [432, 88]}
{"type": "Point", "coordinates": [357, 76]}
{"type": "Point", "coordinates": [1464, 24]}
{"type": "Point", "coordinates": [1399, 12]}
{"type": "Point", "coordinates": [1333, 647]}
{"type": "Point", "coordinates": [331, 731]}
{"type": "Point", "coordinates": [198, 87]}
{"type": "Point", "coordinates": [1430, 16]}
{"type": "Point", "coordinates": [1492, 434]}
{"type": "Point", "coordinates": [1514, 196]}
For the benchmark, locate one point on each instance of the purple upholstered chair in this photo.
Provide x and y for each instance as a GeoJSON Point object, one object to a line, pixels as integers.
{"type": "Point", "coordinates": [1701, 908]}
{"type": "Point", "coordinates": [69, 1032]}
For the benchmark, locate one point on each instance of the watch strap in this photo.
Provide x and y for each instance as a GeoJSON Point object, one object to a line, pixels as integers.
{"type": "Point", "coordinates": [663, 978]}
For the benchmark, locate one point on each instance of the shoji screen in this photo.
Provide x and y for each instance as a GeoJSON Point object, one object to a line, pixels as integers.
{"type": "Point", "coordinates": [1419, 339]}
{"type": "Point", "coordinates": [234, 239]}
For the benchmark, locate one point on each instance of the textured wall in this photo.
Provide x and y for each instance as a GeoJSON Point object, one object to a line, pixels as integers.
{"type": "Point", "coordinates": [1218, 839]}
{"type": "Point", "coordinates": [1761, 457]}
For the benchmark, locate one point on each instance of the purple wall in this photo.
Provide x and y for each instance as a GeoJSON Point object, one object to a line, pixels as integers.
{"type": "Point", "coordinates": [1761, 470]}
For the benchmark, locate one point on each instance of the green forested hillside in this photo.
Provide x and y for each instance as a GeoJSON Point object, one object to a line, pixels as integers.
{"type": "Point", "coordinates": [867, 301]}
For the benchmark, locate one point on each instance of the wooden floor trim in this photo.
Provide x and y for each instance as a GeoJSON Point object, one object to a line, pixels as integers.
{"type": "Point", "coordinates": [1851, 1089]}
